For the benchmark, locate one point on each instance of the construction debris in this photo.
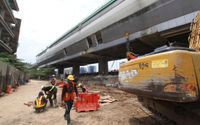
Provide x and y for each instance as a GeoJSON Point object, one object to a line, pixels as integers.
{"type": "Point", "coordinates": [94, 91]}
{"type": "Point", "coordinates": [194, 38]}
{"type": "Point", "coordinates": [62, 105]}
{"type": "Point", "coordinates": [107, 99]}
{"type": "Point", "coordinates": [29, 103]}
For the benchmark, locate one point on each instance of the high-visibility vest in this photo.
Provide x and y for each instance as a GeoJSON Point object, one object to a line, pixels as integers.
{"type": "Point", "coordinates": [38, 101]}
{"type": "Point", "coordinates": [69, 95]}
{"type": "Point", "coordinates": [51, 88]}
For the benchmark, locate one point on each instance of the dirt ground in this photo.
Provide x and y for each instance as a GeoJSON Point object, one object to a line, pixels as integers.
{"type": "Point", "coordinates": [125, 111]}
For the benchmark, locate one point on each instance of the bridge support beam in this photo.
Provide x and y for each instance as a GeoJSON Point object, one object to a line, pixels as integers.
{"type": "Point", "coordinates": [61, 71]}
{"type": "Point", "coordinates": [76, 70]}
{"type": "Point", "coordinates": [103, 66]}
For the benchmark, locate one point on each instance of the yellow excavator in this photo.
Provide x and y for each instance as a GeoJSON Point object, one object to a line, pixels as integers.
{"type": "Point", "coordinates": [168, 80]}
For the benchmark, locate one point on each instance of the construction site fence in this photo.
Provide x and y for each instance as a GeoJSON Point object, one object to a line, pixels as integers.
{"type": "Point", "coordinates": [11, 76]}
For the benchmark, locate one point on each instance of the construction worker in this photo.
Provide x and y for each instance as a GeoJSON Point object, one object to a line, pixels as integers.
{"type": "Point", "coordinates": [83, 88]}
{"type": "Point", "coordinates": [40, 102]}
{"type": "Point", "coordinates": [50, 91]}
{"type": "Point", "coordinates": [68, 96]}
{"type": "Point", "coordinates": [53, 80]}
{"type": "Point", "coordinates": [131, 55]}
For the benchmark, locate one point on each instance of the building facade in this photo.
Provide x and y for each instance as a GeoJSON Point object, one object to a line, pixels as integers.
{"type": "Point", "coordinates": [9, 26]}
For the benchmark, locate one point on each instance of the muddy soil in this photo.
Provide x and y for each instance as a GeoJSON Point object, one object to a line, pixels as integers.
{"type": "Point", "coordinates": [125, 111]}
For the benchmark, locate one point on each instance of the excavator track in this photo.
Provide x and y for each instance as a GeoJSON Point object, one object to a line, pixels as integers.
{"type": "Point", "coordinates": [180, 113]}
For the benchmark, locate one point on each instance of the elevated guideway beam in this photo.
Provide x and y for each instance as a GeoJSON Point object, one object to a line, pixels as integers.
{"type": "Point", "coordinates": [151, 26]}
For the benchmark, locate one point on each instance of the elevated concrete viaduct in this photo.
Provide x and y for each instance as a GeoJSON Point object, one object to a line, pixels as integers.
{"type": "Point", "coordinates": [101, 37]}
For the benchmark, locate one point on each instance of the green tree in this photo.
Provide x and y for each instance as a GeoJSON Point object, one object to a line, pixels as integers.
{"type": "Point", "coordinates": [43, 73]}
{"type": "Point", "coordinates": [13, 61]}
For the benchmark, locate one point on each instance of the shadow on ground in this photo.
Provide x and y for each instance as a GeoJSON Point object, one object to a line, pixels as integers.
{"type": "Point", "coordinates": [149, 120]}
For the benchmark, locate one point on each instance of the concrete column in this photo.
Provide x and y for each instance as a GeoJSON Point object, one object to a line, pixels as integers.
{"type": "Point", "coordinates": [61, 71]}
{"type": "Point", "coordinates": [94, 40]}
{"type": "Point", "coordinates": [2, 12]}
{"type": "Point", "coordinates": [103, 66]}
{"type": "Point", "coordinates": [0, 32]}
{"type": "Point", "coordinates": [75, 70]}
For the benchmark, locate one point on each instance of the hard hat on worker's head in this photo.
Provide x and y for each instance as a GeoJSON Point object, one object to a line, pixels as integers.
{"type": "Point", "coordinates": [42, 87]}
{"type": "Point", "coordinates": [53, 75]}
{"type": "Point", "coordinates": [80, 84]}
{"type": "Point", "coordinates": [70, 77]}
{"type": "Point", "coordinates": [40, 94]}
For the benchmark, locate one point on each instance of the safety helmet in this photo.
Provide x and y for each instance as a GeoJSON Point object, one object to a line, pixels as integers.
{"type": "Point", "coordinates": [70, 77]}
{"type": "Point", "coordinates": [80, 84]}
{"type": "Point", "coordinates": [40, 94]}
{"type": "Point", "coordinates": [42, 87]}
{"type": "Point", "coordinates": [53, 75]}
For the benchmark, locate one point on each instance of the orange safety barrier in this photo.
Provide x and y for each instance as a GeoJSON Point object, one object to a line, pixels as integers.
{"type": "Point", "coordinates": [8, 88]}
{"type": "Point", "coordinates": [87, 102]}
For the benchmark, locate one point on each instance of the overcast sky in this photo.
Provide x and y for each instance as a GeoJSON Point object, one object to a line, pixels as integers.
{"type": "Point", "coordinates": [44, 21]}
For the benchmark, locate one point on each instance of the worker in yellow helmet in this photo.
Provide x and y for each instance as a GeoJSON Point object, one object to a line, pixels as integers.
{"type": "Point", "coordinates": [68, 92]}
{"type": "Point", "coordinates": [83, 88]}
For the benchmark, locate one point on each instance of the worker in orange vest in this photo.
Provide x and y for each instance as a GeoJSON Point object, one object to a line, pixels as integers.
{"type": "Point", "coordinates": [40, 102]}
{"type": "Point", "coordinates": [83, 88]}
{"type": "Point", "coordinates": [68, 95]}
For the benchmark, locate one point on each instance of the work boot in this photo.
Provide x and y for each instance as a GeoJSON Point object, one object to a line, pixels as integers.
{"type": "Point", "coordinates": [68, 123]}
{"type": "Point", "coordinates": [67, 117]}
